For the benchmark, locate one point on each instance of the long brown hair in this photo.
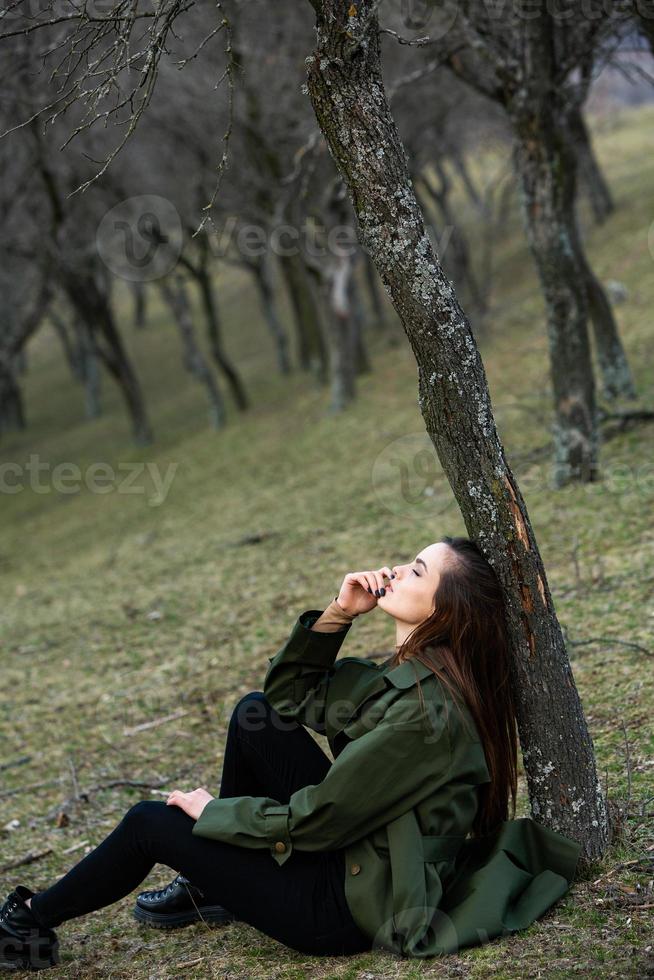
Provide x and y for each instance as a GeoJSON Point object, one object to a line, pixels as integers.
{"type": "Point", "coordinates": [468, 630]}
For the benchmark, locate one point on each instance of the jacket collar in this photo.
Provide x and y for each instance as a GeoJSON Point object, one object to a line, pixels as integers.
{"type": "Point", "coordinates": [408, 673]}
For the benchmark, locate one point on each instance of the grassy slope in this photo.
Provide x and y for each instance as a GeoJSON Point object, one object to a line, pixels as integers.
{"type": "Point", "coordinates": [79, 574]}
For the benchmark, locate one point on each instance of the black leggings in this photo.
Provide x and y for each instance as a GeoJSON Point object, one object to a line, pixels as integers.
{"type": "Point", "coordinates": [300, 903]}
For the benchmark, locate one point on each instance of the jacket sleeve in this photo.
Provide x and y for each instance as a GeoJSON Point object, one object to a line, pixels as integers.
{"type": "Point", "coordinates": [378, 776]}
{"type": "Point", "coordinates": [298, 676]}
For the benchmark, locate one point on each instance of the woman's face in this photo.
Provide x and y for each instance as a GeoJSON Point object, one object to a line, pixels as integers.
{"type": "Point", "coordinates": [410, 595]}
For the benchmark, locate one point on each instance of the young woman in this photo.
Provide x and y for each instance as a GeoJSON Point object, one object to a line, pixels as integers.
{"type": "Point", "coordinates": [402, 843]}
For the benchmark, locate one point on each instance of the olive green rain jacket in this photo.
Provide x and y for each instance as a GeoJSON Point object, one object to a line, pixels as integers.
{"type": "Point", "coordinates": [400, 798]}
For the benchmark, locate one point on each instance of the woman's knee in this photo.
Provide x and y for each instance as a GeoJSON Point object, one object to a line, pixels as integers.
{"type": "Point", "coordinates": [145, 813]}
{"type": "Point", "coordinates": [252, 712]}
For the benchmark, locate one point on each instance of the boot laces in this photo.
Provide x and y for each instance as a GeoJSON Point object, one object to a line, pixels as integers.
{"type": "Point", "coordinates": [170, 887]}
{"type": "Point", "coordinates": [9, 908]}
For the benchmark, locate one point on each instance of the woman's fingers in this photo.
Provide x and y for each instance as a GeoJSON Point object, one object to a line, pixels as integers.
{"type": "Point", "coordinates": [373, 581]}
{"type": "Point", "coordinates": [376, 578]}
{"type": "Point", "coordinates": [360, 578]}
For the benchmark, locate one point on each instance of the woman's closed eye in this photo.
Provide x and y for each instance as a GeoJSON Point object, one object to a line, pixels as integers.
{"type": "Point", "coordinates": [414, 572]}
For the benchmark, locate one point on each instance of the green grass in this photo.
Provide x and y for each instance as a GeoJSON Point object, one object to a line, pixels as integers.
{"type": "Point", "coordinates": [84, 662]}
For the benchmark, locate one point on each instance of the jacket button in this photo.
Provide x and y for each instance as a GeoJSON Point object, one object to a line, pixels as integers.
{"type": "Point", "coordinates": [355, 869]}
{"type": "Point", "coordinates": [280, 846]}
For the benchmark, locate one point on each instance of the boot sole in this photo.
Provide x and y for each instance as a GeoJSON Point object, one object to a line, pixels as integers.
{"type": "Point", "coordinates": [214, 914]}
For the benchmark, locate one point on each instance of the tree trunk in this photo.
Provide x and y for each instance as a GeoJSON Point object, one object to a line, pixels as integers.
{"type": "Point", "coordinates": [645, 23]}
{"type": "Point", "coordinates": [140, 305]}
{"type": "Point", "coordinates": [14, 341]}
{"type": "Point", "coordinates": [12, 412]}
{"type": "Point", "coordinates": [261, 271]}
{"type": "Point", "coordinates": [312, 351]}
{"type": "Point", "coordinates": [362, 363]}
{"type": "Point", "coordinates": [215, 339]}
{"type": "Point", "coordinates": [175, 296]}
{"type": "Point", "coordinates": [617, 379]}
{"type": "Point", "coordinates": [545, 164]}
{"type": "Point", "coordinates": [70, 348]}
{"type": "Point", "coordinates": [332, 286]}
{"type": "Point", "coordinates": [590, 172]}
{"type": "Point", "coordinates": [347, 92]}
{"type": "Point", "coordinates": [92, 376]}
{"type": "Point", "coordinates": [20, 361]}
{"type": "Point", "coordinates": [94, 310]}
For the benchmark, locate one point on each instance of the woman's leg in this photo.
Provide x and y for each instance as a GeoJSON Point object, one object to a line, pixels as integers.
{"type": "Point", "coordinates": [300, 903]}
{"type": "Point", "coordinates": [288, 902]}
{"type": "Point", "coordinates": [267, 755]}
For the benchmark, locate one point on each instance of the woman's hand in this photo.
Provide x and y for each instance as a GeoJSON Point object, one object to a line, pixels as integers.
{"type": "Point", "coordinates": [357, 594]}
{"type": "Point", "coordinates": [191, 803]}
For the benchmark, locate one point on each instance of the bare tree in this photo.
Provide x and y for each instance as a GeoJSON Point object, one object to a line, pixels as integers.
{"type": "Point", "coordinates": [539, 69]}
{"type": "Point", "coordinates": [346, 87]}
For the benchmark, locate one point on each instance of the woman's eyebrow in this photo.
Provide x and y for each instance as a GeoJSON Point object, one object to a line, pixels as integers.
{"type": "Point", "coordinates": [422, 562]}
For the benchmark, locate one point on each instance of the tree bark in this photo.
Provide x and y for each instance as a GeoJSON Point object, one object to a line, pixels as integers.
{"type": "Point", "coordinates": [346, 87]}
{"type": "Point", "coordinates": [372, 283]}
{"type": "Point", "coordinates": [545, 164]}
{"type": "Point", "coordinates": [460, 271]}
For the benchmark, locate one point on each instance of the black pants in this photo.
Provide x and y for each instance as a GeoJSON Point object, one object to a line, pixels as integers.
{"type": "Point", "coordinates": [300, 903]}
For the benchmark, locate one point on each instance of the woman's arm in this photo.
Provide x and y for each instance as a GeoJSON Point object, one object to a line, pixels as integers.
{"type": "Point", "coordinates": [380, 775]}
{"type": "Point", "coordinates": [333, 619]}
{"type": "Point", "coordinates": [298, 676]}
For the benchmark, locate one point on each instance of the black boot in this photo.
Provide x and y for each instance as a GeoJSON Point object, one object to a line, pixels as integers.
{"type": "Point", "coordinates": [179, 903]}
{"type": "Point", "coordinates": [24, 943]}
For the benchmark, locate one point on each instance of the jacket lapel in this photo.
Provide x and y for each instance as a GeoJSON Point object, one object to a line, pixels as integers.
{"type": "Point", "coordinates": [347, 710]}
